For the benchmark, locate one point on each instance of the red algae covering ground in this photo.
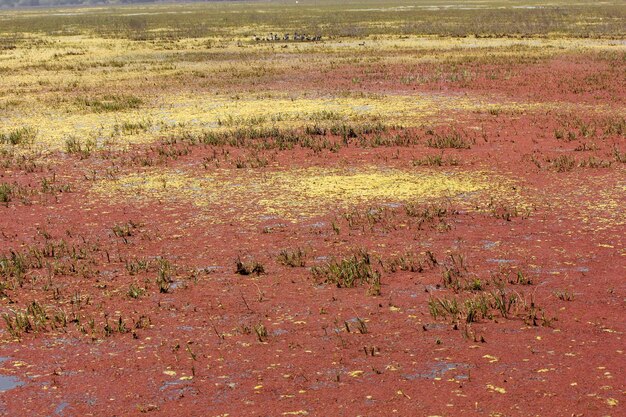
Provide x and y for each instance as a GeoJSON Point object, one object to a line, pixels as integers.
{"type": "Point", "coordinates": [204, 276]}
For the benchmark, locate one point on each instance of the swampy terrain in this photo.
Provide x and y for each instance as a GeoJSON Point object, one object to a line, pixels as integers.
{"type": "Point", "coordinates": [358, 208]}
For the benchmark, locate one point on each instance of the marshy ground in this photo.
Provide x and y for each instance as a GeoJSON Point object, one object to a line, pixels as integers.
{"type": "Point", "coordinates": [418, 213]}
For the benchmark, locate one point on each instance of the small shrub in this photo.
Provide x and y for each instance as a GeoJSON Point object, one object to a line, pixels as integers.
{"type": "Point", "coordinates": [563, 163]}
{"type": "Point", "coordinates": [249, 268]}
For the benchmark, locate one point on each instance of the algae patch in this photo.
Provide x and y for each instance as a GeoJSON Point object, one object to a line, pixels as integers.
{"type": "Point", "coordinates": [170, 186]}
{"type": "Point", "coordinates": [299, 193]}
{"type": "Point", "coordinates": [311, 191]}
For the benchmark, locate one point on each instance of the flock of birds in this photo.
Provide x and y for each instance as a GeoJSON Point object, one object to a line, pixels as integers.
{"type": "Point", "coordinates": [275, 37]}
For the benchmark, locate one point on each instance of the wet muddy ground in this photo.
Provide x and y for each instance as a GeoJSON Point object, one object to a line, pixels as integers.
{"type": "Point", "coordinates": [418, 236]}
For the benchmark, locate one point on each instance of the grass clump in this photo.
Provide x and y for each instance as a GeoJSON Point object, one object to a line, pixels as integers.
{"type": "Point", "coordinates": [444, 307]}
{"type": "Point", "coordinates": [82, 149]}
{"type": "Point", "coordinates": [619, 156]}
{"type": "Point", "coordinates": [505, 211]}
{"type": "Point", "coordinates": [6, 193]}
{"type": "Point", "coordinates": [111, 103]}
{"type": "Point", "coordinates": [295, 258]}
{"type": "Point", "coordinates": [476, 299]}
{"type": "Point", "coordinates": [564, 295]}
{"type": "Point", "coordinates": [132, 128]}
{"type": "Point", "coordinates": [20, 136]}
{"type": "Point", "coordinates": [125, 230]}
{"type": "Point", "coordinates": [164, 278]}
{"type": "Point", "coordinates": [594, 162]}
{"type": "Point", "coordinates": [433, 215]}
{"type": "Point", "coordinates": [350, 272]}
{"type": "Point", "coordinates": [454, 272]}
{"type": "Point", "coordinates": [14, 267]}
{"type": "Point", "coordinates": [261, 332]}
{"type": "Point", "coordinates": [435, 161]}
{"type": "Point", "coordinates": [452, 140]}
{"type": "Point", "coordinates": [33, 319]}
{"type": "Point", "coordinates": [411, 262]}
{"type": "Point", "coordinates": [563, 163]}
{"type": "Point", "coordinates": [473, 309]}
{"type": "Point", "coordinates": [134, 291]}
{"type": "Point", "coordinates": [137, 266]}
{"type": "Point", "coordinates": [252, 161]}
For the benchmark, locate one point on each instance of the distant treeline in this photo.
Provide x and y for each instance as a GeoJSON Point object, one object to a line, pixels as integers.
{"type": "Point", "coordinates": [8, 4]}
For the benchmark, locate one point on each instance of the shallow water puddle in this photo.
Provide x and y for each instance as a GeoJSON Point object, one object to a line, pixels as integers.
{"type": "Point", "coordinates": [9, 382]}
